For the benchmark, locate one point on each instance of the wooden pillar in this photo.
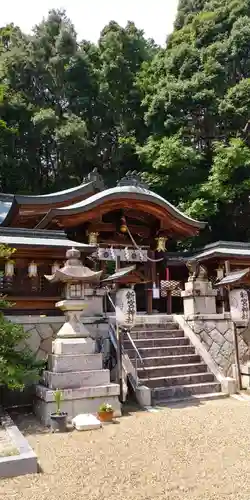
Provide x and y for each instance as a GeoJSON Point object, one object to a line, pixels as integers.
{"type": "Point", "coordinates": [226, 289]}
{"type": "Point", "coordinates": [150, 284]}
{"type": "Point", "coordinates": [117, 263]}
{"type": "Point", "coordinates": [169, 296]}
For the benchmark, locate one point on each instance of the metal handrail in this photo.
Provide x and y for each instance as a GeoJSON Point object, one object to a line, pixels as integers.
{"type": "Point", "coordinates": [134, 346]}
{"type": "Point", "coordinates": [127, 332]}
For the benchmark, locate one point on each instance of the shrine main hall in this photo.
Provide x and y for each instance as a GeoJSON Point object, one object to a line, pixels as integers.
{"type": "Point", "coordinates": [125, 227]}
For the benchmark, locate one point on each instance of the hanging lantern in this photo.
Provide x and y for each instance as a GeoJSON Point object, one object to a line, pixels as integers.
{"type": "Point", "coordinates": [161, 244]}
{"type": "Point", "coordinates": [93, 238]}
{"type": "Point", "coordinates": [9, 269]}
{"type": "Point", "coordinates": [32, 270]}
{"type": "Point", "coordinates": [55, 267]}
{"type": "Point", "coordinates": [123, 226]}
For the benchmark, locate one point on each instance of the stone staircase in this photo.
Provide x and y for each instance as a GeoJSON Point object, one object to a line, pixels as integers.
{"type": "Point", "coordinates": [171, 368]}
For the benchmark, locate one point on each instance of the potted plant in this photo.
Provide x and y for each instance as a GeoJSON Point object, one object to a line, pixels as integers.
{"type": "Point", "coordinates": [58, 418]}
{"type": "Point", "coordinates": [105, 413]}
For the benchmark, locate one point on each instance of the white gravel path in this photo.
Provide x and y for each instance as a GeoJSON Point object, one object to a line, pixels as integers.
{"type": "Point", "coordinates": [199, 452]}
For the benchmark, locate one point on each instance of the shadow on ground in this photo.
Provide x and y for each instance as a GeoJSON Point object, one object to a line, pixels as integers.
{"type": "Point", "coordinates": [28, 424]}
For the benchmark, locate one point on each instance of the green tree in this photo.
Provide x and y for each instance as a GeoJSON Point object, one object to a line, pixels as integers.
{"type": "Point", "coordinates": [198, 116]}
{"type": "Point", "coordinates": [67, 106]}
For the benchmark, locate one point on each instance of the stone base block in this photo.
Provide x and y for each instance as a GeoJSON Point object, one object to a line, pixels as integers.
{"type": "Point", "coordinates": [229, 385]}
{"type": "Point", "coordinates": [198, 305]}
{"type": "Point", "coordinates": [77, 401]}
{"type": "Point", "coordinates": [17, 465]}
{"type": "Point", "coordinates": [71, 380]}
{"type": "Point", "coordinates": [73, 346]}
{"type": "Point", "coordinates": [143, 395]}
{"type": "Point", "coordinates": [245, 377]}
{"type": "Point", "coordinates": [68, 363]}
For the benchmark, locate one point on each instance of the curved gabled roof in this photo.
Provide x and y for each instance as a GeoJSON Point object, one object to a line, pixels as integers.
{"type": "Point", "coordinates": [12, 205]}
{"type": "Point", "coordinates": [145, 199]}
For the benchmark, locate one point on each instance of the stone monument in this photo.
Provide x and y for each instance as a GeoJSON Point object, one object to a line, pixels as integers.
{"type": "Point", "coordinates": [74, 365]}
{"type": "Point", "coordinates": [199, 297]}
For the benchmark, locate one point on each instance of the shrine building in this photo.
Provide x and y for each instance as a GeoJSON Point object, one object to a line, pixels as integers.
{"type": "Point", "coordinates": [113, 228]}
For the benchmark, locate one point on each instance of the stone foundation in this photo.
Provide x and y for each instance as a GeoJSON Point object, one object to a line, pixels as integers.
{"type": "Point", "coordinates": [215, 333]}
{"type": "Point", "coordinates": [75, 402]}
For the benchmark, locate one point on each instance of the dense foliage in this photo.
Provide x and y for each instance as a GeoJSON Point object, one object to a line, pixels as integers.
{"type": "Point", "coordinates": [180, 114]}
{"type": "Point", "coordinates": [18, 366]}
{"type": "Point", "coordinates": [66, 107]}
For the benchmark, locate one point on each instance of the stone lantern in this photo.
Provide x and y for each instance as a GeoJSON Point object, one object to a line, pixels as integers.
{"type": "Point", "coordinates": [76, 278]}
{"type": "Point", "coordinates": [74, 366]}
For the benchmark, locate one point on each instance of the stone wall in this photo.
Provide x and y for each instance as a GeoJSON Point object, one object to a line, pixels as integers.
{"type": "Point", "coordinates": [216, 335]}
{"type": "Point", "coordinates": [42, 330]}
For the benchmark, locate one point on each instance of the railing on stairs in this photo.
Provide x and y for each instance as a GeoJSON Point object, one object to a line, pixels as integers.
{"type": "Point", "coordinates": [125, 365]}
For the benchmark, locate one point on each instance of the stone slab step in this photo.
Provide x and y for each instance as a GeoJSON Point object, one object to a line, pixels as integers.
{"type": "Point", "coordinates": [178, 380]}
{"type": "Point", "coordinates": [161, 351]}
{"type": "Point", "coordinates": [147, 326]}
{"type": "Point", "coordinates": [77, 379]}
{"type": "Point", "coordinates": [67, 363]}
{"type": "Point", "coordinates": [171, 360]}
{"type": "Point", "coordinates": [110, 389]}
{"type": "Point", "coordinates": [162, 342]}
{"type": "Point", "coordinates": [156, 334]}
{"type": "Point", "coordinates": [183, 391]}
{"type": "Point", "coordinates": [210, 396]}
{"type": "Point", "coordinates": [166, 371]}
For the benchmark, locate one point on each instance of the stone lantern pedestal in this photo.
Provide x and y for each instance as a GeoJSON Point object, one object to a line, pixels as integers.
{"type": "Point", "coordinates": [74, 366]}
{"type": "Point", "coordinates": [198, 298]}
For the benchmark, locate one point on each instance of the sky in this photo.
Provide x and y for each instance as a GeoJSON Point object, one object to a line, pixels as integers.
{"type": "Point", "coordinates": [90, 16]}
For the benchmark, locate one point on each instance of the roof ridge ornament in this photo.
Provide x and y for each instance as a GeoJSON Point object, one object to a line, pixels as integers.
{"type": "Point", "coordinates": [96, 178]}
{"type": "Point", "coordinates": [133, 178]}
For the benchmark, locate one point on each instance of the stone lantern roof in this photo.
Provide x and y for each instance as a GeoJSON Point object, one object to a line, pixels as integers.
{"type": "Point", "coordinates": [74, 270]}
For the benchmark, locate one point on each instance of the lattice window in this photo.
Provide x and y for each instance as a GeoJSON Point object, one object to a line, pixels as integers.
{"type": "Point", "coordinates": [76, 290]}
{"type": "Point", "coordinates": [170, 286]}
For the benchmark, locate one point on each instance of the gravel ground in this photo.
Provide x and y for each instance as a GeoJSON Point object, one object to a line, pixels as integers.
{"type": "Point", "coordinates": [185, 452]}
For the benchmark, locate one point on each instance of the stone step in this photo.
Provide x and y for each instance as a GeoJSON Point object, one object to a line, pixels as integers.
{"type": "Point", "coordinates": [171, 360]}
{"type": "Point", "coordinates": [146, 352]}
{"type": "Point", "coordinates": [170, 325]}
{"type": "Point", "coordinates": [163, 342]}
{"type": "Point", "coordinates": [184, 391]}
{"type": "Point", "coordinates": [167, 371]}
{"type": "Point", "coordinates": [209, 396]}
{"type": "Point", "coordinates": [154, 334]}
{"type": "Point", "coordinates": [178, 380]}
{"type": "Point", "coordinates": [76, 379]}
{"type": "Point", "coordinates": [110, 389]}
{"type": "Point", "coordinates": [67, 363]}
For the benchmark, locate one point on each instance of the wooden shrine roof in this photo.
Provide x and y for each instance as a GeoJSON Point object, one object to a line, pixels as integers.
{"type": "Point", "coordinates": [227, 249]}
{"type": "Point", "coordinates": [19, 237]}
{"type": "Point", "coordinates": [123, 197]}
{"type": "Point", "coordinates": [26, 210]}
